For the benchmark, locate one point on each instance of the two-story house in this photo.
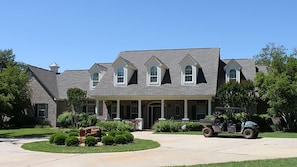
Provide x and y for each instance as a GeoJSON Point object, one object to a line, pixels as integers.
{"type": "Point", "coordinates": [146, 85]}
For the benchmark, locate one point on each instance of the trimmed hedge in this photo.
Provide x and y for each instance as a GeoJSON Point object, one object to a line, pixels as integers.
{"type": "Point", "coordinates": [120, 139]}
{"type": "Point", "coordinates": [120, 126]}
{"type": "Point", "coordinates": [90, 141]}
{"type": "Point", "coordinates": [108, 140]}
{"type": "Point", "coordinates": [72, 141]}
{"type": "Point", "coordinates": [176, 126]}
{"type": "Point", "coordinates": [60, 138]}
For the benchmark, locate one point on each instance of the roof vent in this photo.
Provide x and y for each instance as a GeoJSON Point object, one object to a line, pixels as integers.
{"type": "Point", "coordinates": [54, 67]}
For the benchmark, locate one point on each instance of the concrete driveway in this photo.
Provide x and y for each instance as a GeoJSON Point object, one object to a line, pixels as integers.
{"type": "Point", "coordinates": [174, 150]}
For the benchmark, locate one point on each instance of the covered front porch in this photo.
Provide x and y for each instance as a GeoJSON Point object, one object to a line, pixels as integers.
{"type": "Point", "coordinates": [149, 110]}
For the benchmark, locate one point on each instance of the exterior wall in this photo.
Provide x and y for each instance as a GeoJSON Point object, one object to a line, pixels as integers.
{"type": "Point", "coordinates": [174, 110]}
{"type": "Point", "coordinates": [38, 96]}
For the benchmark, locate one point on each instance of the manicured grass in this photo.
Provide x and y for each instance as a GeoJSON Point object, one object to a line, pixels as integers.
{"type": "Point", "coordinates": [45, 146]}
{"type": "Point", "coordinates": [27, 132]}
{"type": "Point", "coordinates": [261, 134]}
{"type": "Point", "coordinates": [263, 163]}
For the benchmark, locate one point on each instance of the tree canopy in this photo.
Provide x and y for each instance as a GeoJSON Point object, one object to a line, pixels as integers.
{"type": "Point", "coordinates": [234, 94]}
{"type": "Point", "coordinates": [279, 86]}
{"type": "Point", "coordinates": [76, 99]}
{"type": "Point", "coordinates": [14, 90]}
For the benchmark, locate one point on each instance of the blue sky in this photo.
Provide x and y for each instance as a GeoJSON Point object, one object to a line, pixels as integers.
{"type": "Point", "coordinates": [78, 33]}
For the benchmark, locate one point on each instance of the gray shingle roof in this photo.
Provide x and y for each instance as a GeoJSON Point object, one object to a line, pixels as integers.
{"type": "Point", "coordinates": [248, 67]}
{"type": "Point", "coordinates": [47, 79]}
{"type": "Point", "coordinates": [208, 58]}
{"type": "Point", "coordinates": [73, 79]}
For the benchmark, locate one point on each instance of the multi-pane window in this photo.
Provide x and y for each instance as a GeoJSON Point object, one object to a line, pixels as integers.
{"type": "Point", "coordinates": [120, 75]}
{"type": "Point", "coordinates": [232, 75]}
{"type": "Point", "coordinates": [95, 79]}
{"type": "Point", "coordinates": [42, 110]}
{"type": "Point", "coordinates": [153, 74]}
{"type": "Point", "coordinates": [188, 74]}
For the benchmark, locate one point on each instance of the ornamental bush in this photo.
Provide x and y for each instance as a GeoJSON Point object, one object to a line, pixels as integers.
{"type": "Point", "coordinates": [65, 119]}
{"type": "Point", "coordinates": [60, 138]}
{"type": "Point", "coordinates": [120, 139]}
{"type": "Point", "coordinates": [72, 141]}
{"type": "Point", "coordinates": [108, 140]}
{"type": "Point", "coordinates": [51, 139]}
{"type": "Point", "coordinates": [129, 137]}
{"type": "Point", "coordinates": [122, 126]}
{"type": "Point", "coordinates": [90, 141]}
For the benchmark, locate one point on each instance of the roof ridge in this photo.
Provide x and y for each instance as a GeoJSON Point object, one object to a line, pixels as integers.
{"type": "Point", "coordinates": [168, 49]}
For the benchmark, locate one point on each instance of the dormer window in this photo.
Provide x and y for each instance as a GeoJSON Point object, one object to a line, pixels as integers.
{"type": "Point", "coordinates": [120, 75]}
{"type": "Point", "coordinates": [97, 71]}
{"type": "Point", "coordinates": [155, 71]}
{"type": "Point", "coordinates": [154, 74]}
{"type": "Point", "coordinates": [232, 71]}
{"type": "Point", "coordinates": [189, 70]}
{"type": "Point", "coordinates": [95, 79]}
{"type": "Point", "coordinates": [188, 74]}
{"type": "Point", "coordinates": [232, 75]}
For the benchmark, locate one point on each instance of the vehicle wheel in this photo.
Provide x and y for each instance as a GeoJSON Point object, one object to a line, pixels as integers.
{"type": "Point", "coordinates": [207, 132]}
{"type": "Point", "coordinates": [248, 133]}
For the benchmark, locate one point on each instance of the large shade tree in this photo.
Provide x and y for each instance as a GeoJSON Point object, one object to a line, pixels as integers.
{"type": "Point", "coordinates": [14, 90]}
{"type": "Point", "coordinates": [279, 86]}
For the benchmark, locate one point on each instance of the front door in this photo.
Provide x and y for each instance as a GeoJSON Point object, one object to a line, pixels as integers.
{"type": "Point", "coordinates": [154, 114]}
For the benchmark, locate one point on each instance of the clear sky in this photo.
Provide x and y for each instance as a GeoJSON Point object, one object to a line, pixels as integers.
{"type": "Point", "coordinates": [78, 33]}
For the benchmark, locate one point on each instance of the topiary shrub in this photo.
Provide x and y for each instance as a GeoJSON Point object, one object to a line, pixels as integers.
{"type": "Point", "coordinates": [60, 138]}
{"type": "Point", "coordinates": [108, 140]}
{"type": "Point", "coordinates": [120, 139]}
{"type": "Point", "coordinates": [90, 141]}
{"type": "Point", "coordinates": [51, 139]}
{"type": "Point", "coordinates": [72, 141]}
{"type": "Point", "coordinates": [129, 137]}
{"type": "Point", "coordinates": [73, 134]}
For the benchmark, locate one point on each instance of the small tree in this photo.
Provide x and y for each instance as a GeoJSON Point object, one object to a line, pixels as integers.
{"type": "Point", "coordinates": [234, 94]}
{"type": "Point", "coordinates": [76, 99]}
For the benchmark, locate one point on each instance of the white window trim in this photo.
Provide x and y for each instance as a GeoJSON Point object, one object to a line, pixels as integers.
{"type": "Point", "coordinates": [122, 77]}
{"type": "Point", "coordinates": [188, 75]}
{"type": "Point", "coordinates": [155, 76]}
{"type": "Point", "coordinates": [38, 108]}
{"type": "Point", "coordinates": [92, 79]}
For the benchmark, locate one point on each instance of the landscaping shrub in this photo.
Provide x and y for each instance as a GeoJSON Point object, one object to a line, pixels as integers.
{"type": "Point", "coordinates": [73, 134]}
{"type": "Point", "coordinates": [264, 122]}
{"type": "Point", "coordinates": [175, 126]}
{"type": "Point", "coordinates": [113, 133]}
{"type": "Point", "coordinates": [90, 141]}
{"type": "Point", "coordinates": [92, 120]}
{"type": "Point", "coordinates": [120, 139]}
{"type": "Point", "coordinates": [72, 141]}
{"type": "Point", "coordinates": [129, 137]}
{"type": "Point", "coordinates": [85, 120]}
{"type": "Point", "coordinates": [65, 119]}
{"type": "Point", "coordinates": [108, 140]}
{"type": "Point", "coordinates": [51, 139]}
{"type": "Point", "coordinates": [60, 138]}
{"type": "Point", "coordinates": [110, 125]}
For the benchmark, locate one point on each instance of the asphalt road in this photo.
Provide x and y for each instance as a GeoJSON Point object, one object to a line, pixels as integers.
{"type": "Point", "coordinates": [174, 150]}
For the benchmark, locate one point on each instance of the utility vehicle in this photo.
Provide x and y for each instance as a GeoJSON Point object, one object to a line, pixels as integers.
{"type": "Point", "coordinates": [226, 120]}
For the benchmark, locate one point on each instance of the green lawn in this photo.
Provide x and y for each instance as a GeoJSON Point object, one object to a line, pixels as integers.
{"type": "Point", "coordinates": [45, 146]}
{"type": "Point", "coordinates": [27, 132]}
{"type": "Point", "coordinates": [261, 163]}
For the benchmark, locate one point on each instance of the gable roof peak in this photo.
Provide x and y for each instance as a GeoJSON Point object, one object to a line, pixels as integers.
{"type": "Point", "coordinates": [234, 62]}
{"type": "Point", "coordinates": [127, 63]}
{"type": "Point", "coordinates": [156, 59]}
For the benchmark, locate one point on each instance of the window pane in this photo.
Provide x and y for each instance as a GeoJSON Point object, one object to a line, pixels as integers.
{"type": "Point", "coordinates": [120, 75]}
{"type": "Point", "coordinates": [188, 74]}
{"type": "Point", "coordinates": [95, 79]}
{"type": "Point", "coordinates": [154, 74]}
{"type": "Point", "coordinates": [232, 75]}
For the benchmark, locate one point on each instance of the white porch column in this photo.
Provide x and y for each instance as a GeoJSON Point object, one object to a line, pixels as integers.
{"type": "Point", "coordinates": [185, 110]}
{"type": "Point", "coordinates": [162, 110]}
{"type": "Point", "coordinates": [139, 123]}
{"type": "Point", "coordinates": [97, 108]}
{"type": "Point", "coordinates": [209, 106]}
{"type": "Point", "coordinates": [118, 118]}
{"type": "Point", "coordinates": [139, 109]}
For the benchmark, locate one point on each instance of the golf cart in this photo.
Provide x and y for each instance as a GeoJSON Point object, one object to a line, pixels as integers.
{"type": "Point", "coordinates": [224, 121]}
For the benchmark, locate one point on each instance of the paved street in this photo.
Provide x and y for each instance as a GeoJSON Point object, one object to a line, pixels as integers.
{"type": "Point", "coordinates": [174, 150]}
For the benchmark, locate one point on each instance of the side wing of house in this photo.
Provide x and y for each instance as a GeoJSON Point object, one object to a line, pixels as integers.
{"type": "Point", "coordinates": [43, 95]}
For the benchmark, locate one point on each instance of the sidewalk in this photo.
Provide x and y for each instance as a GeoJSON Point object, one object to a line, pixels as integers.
{"type": "Point", "coordinates": [174, 150]}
